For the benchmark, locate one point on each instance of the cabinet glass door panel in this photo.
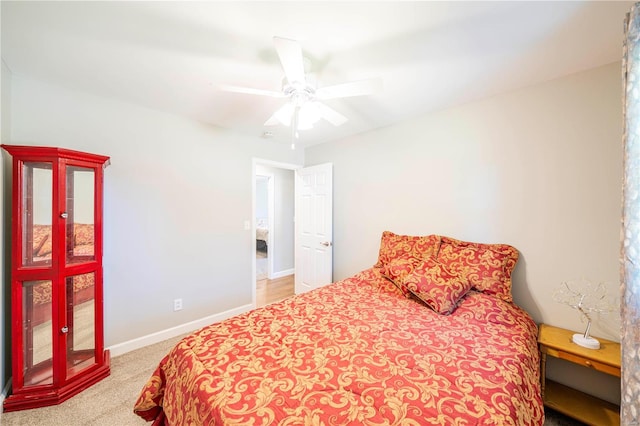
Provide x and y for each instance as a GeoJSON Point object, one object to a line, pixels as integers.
{"type": "Point", "coordinates": [80, 213]}
{"type": "Point", "coordinates": [37, 182]}
{"type": "Point", "coordinates": [37, 332]}
{"type": "Point", "coordinates": [81, 326]}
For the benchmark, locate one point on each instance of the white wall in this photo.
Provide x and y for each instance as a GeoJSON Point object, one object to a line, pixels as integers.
{"type": "Point", "coordinates": [539, 168]}
{"type": "Point", "coordinates": [177, 194]}
{"type": "Point", "coordinates": [5, 284]}
{"type": "Point", "coordinates": [283, 232]}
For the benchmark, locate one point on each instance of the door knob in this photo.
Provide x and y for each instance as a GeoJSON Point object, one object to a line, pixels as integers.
{"type": "Point", "coordinates": [325, 243]}
{"type": "Point", "coordinates": [64, 215]}
{"type": "Point", "coordinates": [64, 329]}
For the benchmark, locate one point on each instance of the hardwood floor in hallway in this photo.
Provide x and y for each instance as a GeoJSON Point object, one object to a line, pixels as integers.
{"type": "Point", "coordinates": [270, 291]}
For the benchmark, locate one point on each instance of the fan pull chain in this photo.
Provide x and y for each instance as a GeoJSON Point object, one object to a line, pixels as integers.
{"type": "Point", "coordinates": [294, 127]}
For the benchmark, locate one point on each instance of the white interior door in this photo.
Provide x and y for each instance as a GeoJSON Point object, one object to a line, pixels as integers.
{"type": "Point", "coordinates": [314, 227]}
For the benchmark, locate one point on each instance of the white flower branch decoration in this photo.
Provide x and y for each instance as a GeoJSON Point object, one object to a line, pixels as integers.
{"type": "Point", "coordinates": [588, 299]}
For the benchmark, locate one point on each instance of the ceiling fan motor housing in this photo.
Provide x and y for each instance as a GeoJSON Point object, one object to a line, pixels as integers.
{"type": "Point", "coordinates": [300, 92]}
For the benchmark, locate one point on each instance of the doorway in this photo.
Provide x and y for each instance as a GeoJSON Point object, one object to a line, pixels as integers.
{"type": "Point", "coordinates": [273, 254]}
{"type": "Point", "coordinates": [264, 222]}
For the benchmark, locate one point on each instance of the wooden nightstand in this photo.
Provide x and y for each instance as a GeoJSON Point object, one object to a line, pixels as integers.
{"type": "Point", "coordinates": [556, 342]}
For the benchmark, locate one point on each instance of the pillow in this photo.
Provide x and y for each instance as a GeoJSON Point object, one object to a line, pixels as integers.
{"type": "Point", "coordinates": [41, 240]}
{"type": "Point", "coordinates": [83, 234]}
{"type": "Point", "coordinates": [487, 267]}
{"type": "Point", "coordinates": [397, 270]}
{"type": "Point", "coordinates": [393, 246]}
{"type": "Point", "coordinates": [435, 285]}
{"type": "Point", "coordinates": [38, 245]}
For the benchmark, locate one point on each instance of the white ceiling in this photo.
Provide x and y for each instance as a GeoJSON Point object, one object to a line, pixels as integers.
{"type": "Point", "coordinates": [174, 55]}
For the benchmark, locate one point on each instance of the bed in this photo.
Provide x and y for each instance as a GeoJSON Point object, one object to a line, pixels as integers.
{"type": "Point", "coordinates": [38, 294]}
{"type": "Point", "coordinates": [262, 234]}
{"type": "Point", "coordinates": [429, 335]}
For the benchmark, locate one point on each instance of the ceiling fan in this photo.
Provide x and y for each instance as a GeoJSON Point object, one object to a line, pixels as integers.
{"type": "Point", "coordinates": [304, 108]}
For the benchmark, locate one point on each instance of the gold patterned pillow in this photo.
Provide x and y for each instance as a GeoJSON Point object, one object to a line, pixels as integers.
{"type": "Point", "coordinates": [393, 246]}
{"type": "Point", "coordinates": [41, 240]}
{"type": "Point", "coordinates": [83, 234]}
{"type": "Point", "coordinates": [435, 285]}
{"type": "Point", "coordinates": [487, 267]}
{"type": "Point", "coordinates": [397, 270]}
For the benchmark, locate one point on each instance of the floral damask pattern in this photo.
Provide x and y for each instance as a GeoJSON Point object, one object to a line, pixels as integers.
{"type": "Point", "coordinates": [487, 267]}
{"type": "Point", "coordinates": [42, 292]}
{"type": "Point", "coordinates": [83, 236]}
{"type": "Point", "coordinates": [393, 246]}
{"type": "Point", "coordinates": [353, 352]}
{"type": "Point", "coordinates": [435, 285]}
{"type": "Point", "coordinates": [398, 269]}
{"type": "Point", "coordinates": [41, 240]}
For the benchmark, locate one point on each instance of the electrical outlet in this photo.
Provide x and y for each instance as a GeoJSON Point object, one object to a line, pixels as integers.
{"type": "Point", "coordinates": [177, 304]}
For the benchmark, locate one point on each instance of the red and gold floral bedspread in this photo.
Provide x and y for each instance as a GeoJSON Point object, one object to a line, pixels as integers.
{"type": "Point", "coordinates": [354, 352]}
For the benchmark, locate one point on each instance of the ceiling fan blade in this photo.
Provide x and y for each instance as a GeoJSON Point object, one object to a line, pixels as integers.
{"type": "Point", "coordinates": [251, 91]}
{"type": "Point", "coordinates": [290, 54]}
{"type": "Point", "coordinates": [353, 88]}
{"type": "Point", "coordinates": [331, 115]}
{"type": "Point", "coordinates": [272, 121]}
{"type": "Point", "coordinates": [281, 116]}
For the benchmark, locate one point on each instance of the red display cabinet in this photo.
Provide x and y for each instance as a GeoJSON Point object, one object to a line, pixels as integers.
{"type": "Point", "coordinates": [56, 275]}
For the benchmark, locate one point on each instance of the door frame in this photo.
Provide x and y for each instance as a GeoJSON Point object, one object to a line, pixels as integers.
{"type": "Point", "coordinates": [268, 163]}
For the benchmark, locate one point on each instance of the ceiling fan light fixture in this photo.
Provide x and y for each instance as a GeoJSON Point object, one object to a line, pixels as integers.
{"type": "Point", "coordinates": [308, 115]}
{"type": "Point", "coordinates": [284, 114]}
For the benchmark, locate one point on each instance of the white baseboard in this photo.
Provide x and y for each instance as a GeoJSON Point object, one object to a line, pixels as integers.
{"type": "Point", "coordinates": [150, 339]}
{"type": "Point", "coordinates": [281, 274]}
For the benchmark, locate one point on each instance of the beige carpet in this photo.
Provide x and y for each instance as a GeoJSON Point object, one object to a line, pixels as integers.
{"type": "Point", "coordinates": [110, 402]}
